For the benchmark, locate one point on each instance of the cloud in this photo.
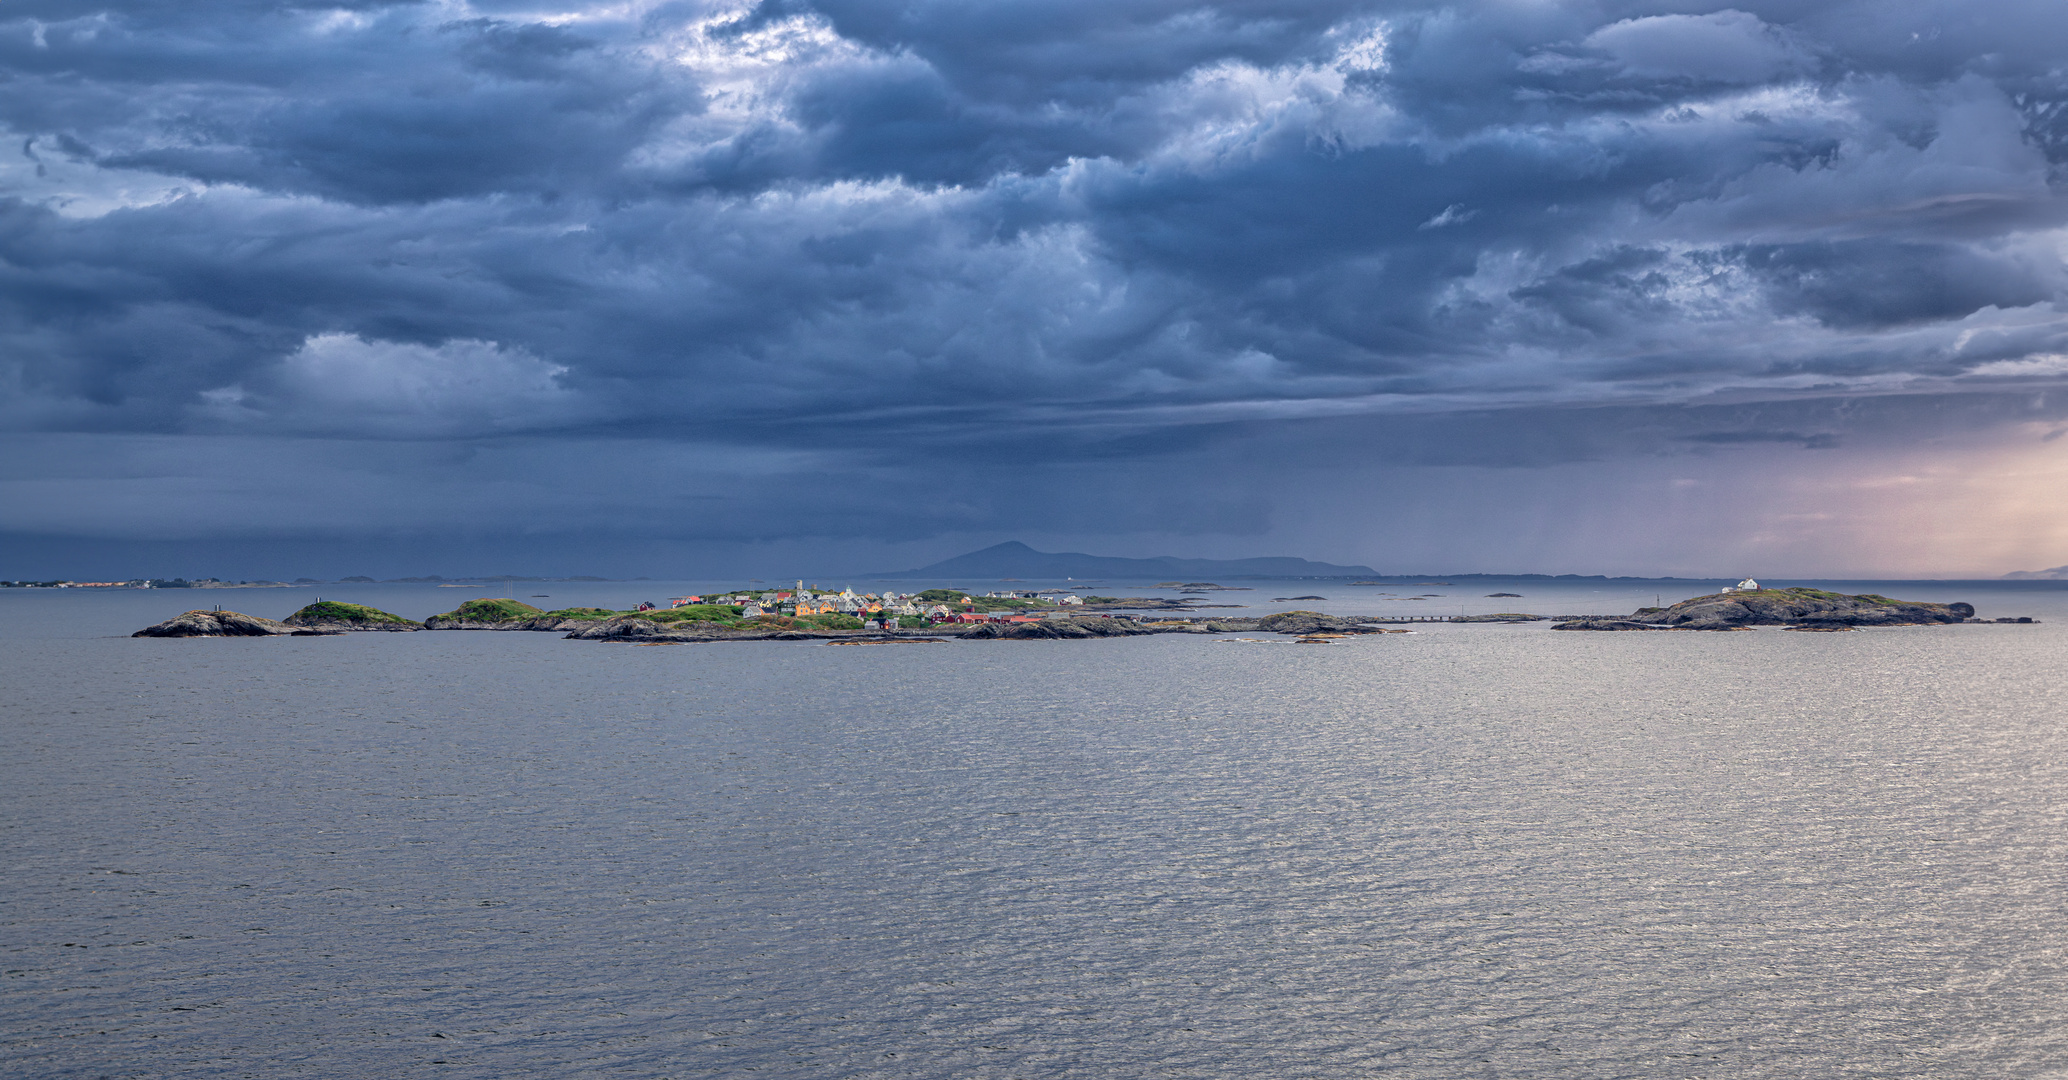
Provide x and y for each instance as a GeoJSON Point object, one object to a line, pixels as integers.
{"type": "Point", "coordinates": [1071, 233]}
{"type": "Point", "coordinates": [1727, 46]}
{"type": "Point", "coordinates": [341, 384]}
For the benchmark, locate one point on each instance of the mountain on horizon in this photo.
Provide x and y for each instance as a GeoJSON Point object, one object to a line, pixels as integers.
{"type": "Point", "coordinates": [2057, 573]}
{"type": "Point", "coordinates": [1013, 559]}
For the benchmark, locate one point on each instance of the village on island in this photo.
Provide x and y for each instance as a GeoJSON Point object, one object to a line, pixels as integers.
{"type": "Point", "coordinates": [887, 610]}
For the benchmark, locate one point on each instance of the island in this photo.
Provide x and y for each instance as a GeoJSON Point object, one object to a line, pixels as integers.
{"type": "Point", "coordinates": [219, 623]}
{"type": "Point", "coordinates": [1794, 609]}
{"type": "Point", "coordinates": [945, 614]}
{"type": "Point", "coordinates": [344, 618]}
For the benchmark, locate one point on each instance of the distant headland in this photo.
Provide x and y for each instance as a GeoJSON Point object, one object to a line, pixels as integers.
{"type": "Point", "coordinates": [1013, 559]}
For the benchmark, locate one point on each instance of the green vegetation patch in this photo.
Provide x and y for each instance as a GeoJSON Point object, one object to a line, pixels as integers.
{"type": "Point", "coordinates": [1814, 594]}
{"type": "Point", "coordinates": [596, 613]}
{"type": "Point", "coordinates": [488, 610]}
{"type": "Point", "coordinates": [957, 598]}
{"type": "Point", "coordinates": [830, 622]}
{"type": "Point", "coordinates": [339, 611]}
{"type": "Point", "coordinates": [710, 613]}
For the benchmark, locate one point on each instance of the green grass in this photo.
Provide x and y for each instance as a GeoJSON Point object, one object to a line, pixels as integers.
{"type": "Point", "coordinates": [711, 613]}
{"type": "Point", "coordinates": [338, 611]}
{"type": "Point", "coordinates": [488, 610]}
{"type": "Point", "coordinates": [582, 613]}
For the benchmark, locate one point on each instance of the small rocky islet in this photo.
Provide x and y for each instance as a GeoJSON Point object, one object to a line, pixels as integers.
{"type": "Point", "coordinates": [320, 619]}
{"type": "Point", "coordinates": [343, 618]}
{"type": "Point", "coordinates": [1793, 609]}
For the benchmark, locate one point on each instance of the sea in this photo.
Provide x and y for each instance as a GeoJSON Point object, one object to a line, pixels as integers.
{"type": "Point", "coordinates": [1473, 850]}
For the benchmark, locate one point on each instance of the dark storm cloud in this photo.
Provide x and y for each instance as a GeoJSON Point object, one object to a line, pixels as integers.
{"type": "Point", "coordinates": [1876, 283]}
{"type": "Point", "coordinates": [1015, 233]}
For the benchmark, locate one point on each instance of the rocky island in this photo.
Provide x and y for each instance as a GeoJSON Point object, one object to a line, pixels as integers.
{"type": "Point", "coordinates": [320, 619]}
{"type": "Point", "coordinates": [505, 614]}
{"type": "Point", "coordinates": [343, 617]}
{"type": "Point", "coordinates": [1018, 620]}
{"type": "Point", "coordinates": [1805, 609]}
{"type": "Point", "coordinates": [202, 623]}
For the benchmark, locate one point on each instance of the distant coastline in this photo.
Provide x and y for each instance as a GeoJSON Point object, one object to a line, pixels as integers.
{"type": "Point", "coordinates": [1014, 561]}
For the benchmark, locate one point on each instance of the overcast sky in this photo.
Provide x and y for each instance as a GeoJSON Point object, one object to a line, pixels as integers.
{"type": "Point", "coordinates": [708, 288]}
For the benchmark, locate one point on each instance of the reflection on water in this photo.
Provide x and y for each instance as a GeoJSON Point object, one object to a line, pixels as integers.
{"type": "Point", "coordinates": [1474, 851]}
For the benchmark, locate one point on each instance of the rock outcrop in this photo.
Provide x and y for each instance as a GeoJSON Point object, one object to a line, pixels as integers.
{"type": "Point", "coordinates": [220, 624]}
{"type": "Point", "coordinates": [343, 617]}
{"type": "Point", "coordinates": [1203, 626]}
{"type": "Point", "coordinates": [633, 628]}
{"type": "Point", "coordinates": [1781, 607]}
{"type": "Point", "coordinates": [1309, 622]}
{"type": "Point", "coordinates": [1055, 629]}
{"type": "Point", "coordinates": [640, 630]}
{"type": "Point", "coordinates": [539, 623]}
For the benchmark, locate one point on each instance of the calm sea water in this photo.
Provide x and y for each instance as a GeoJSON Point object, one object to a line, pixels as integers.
{"type": "Point", "coordinates": [1475, 851]}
